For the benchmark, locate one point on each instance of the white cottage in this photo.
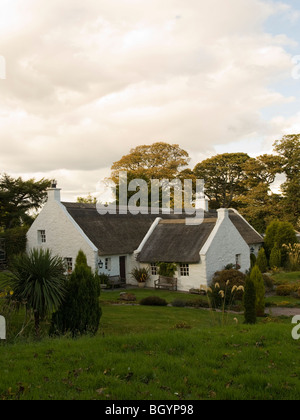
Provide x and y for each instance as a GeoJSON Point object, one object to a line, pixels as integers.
{"type": "Point", "coordinates": [115, 244]}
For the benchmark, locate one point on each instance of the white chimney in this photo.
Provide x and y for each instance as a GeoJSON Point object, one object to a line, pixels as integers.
{"type": "Point", "coordinates": [54, 192]}
{"type": "Point", "coordinates": [223, 214]}
{"type": "Point", "coordinates": [202, 202]}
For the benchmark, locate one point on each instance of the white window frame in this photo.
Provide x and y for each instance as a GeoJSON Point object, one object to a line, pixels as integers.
{"type": "Point", "coordinates": [184, 270]}
{"type": "Point", "coordinates": [69, 264]}
{"type": "Point", "coordinates": [107, 264]}
{"type": "Point", "coordinates": [42, 237]}
{"type": "Point", "coordinates": [153, 269]}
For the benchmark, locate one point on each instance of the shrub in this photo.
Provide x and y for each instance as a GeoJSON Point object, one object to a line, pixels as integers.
{"type": "Point", "coordinates": [80, 312]}
{"type": "Point", "coordinates": [250, 302]}
{"type": "Point", "coordinates": [166, 269]}
{"type": "Point", "coordinates": [293, 256]}
{"type": "Point", "coordinates": [257, 278]}
{"type": "Point", "coordinates": [225, 281]}
{"type": "Point", "coordinates": [178, 303]}
{"type": "Point", "coordinates": [262, 261]}
{"type": "Point", "coordinates": [252, 260]}
{"type": "Point", "coordinates": [270, 238]}
{"type": "Point", "coordinates": [285, 290]}
{"type": "Point", "coordinates": [280, 233]}
{"type": "Point", "coordinates": [198, 303]}
{"type": "Point", "coordinates": [153, 301]}
{"type": "Point", "coordinates": [286, 234]}
{"type": "Point", "coordinates": [268, 282]}
{"type": "Point", "coordinates": [103, 278]}
{"type": "Point", "coordinates": [141, 275]}
{"type": "Point", "coordinates": [275, 257]}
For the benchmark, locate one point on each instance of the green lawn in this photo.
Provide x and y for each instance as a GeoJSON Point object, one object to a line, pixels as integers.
{"type": "Point", "coordinates": [113, 296]}
{"type": "Point", "coordinates": [286, 277]}
{"type": "Point", "coordinates": [141, 353]}
{"type": "Point", "coordinates": [156, 353]}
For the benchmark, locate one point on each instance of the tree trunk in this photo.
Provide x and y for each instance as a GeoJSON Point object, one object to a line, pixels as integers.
{"type": "Point", "coordinates": [37, 323]}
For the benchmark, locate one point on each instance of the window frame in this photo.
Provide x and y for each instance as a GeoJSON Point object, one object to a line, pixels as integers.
{"type": "Point", "coordinates": [107, 264]}
{"type": "Point", "coordinates": [154, 269]}
{"type": "Point", "coordinates": [184, 270]}
{"type": "Point", "coordinates": [42, 236]}
{"type": "Point", "coordinates": [69, 264]}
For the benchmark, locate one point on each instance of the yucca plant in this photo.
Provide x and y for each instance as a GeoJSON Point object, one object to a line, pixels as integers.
{"type": "Point", "coordinates": [38, 283]}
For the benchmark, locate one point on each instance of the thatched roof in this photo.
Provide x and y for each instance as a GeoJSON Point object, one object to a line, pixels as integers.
{"type": "Point", "coordinates": [111, 234]}
{"type": "Point", "coordinates": [172, 240]}
{"type": "Point", "coordinates": [247, 231]}
{"type": "Point", "coordinates": [176, 242]}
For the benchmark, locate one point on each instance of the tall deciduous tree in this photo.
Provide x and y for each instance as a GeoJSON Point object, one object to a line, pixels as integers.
{"type": "Point", "coordinates": [262, 170]}
{"type": "Point", "coordinates": [157, 161]}
{"type": "Point", "coordinates": [18, 198]}
{"type": "Point", "coordinates": [260, 206]}
{"type": "Point", "coordinates": [289, 149]}
{"type": "Point", "coordinates": [224, 177]}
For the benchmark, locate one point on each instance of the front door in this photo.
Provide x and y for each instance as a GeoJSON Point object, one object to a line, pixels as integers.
{"type": "Point", "coordinates": [123, 268]}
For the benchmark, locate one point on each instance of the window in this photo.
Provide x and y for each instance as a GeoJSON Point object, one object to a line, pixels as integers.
{"type": "Point", "coordinates": [153, 269]}
{"type": "Point", "coordinates": [184, 270]}
{"type": "Point", "coordinates": [41, 236]}
{"type": "Point", "coordinates": [69, 264]}
{"type": "Point", "coordinates": [108, 264]}
{"type": "Point", "coordinates": [238, 260]}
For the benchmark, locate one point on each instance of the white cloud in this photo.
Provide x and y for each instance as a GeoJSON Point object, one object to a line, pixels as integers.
{"type": "Point", "coordinates": [87, 81]}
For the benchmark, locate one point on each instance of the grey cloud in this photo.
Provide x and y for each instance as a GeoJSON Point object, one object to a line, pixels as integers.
{"type": "Point", "coordinates": [87, 81]}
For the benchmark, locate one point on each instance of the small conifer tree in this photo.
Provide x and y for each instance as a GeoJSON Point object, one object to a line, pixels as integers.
{"type": "Point", "coordinates": [275, 257]}
{"type": "Point", "coordinates": [80, 312]}
{"type": "Point", "coordinates": [250, 302]}
{"type": "Point", "coordinates": [257, 278]}
{"type": "Point", "coordinates": [252, 260]}
{"type": "Point", "coordinates": [262, 261]}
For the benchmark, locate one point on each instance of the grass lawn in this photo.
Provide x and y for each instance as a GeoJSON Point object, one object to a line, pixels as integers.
{"type": "Point", "coordinates": [112, 296]}
{"type": "Point", "coordinates": [286, 277]}
{"type": "Point", "coordinates": [157, 353]}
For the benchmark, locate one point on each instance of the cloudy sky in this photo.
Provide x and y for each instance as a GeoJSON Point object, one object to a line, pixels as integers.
{"type": "Point", "coordinates": [83, 82]}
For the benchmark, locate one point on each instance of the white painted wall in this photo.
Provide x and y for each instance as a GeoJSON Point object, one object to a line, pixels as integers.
{"type": "Point", "coordinates": [221, 248]}
{"type": "Point", "coordinates": [194, 280]}
{"type": "Point", "coordinates": [184, 283]}
{"type": "Point", "coordinates": [115, 265]}
{"type": "Point", "coordinates": [63, 236]}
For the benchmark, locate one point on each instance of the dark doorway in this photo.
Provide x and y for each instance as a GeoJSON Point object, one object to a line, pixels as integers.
{"type": "Point", "coordinates": [123, 268]}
